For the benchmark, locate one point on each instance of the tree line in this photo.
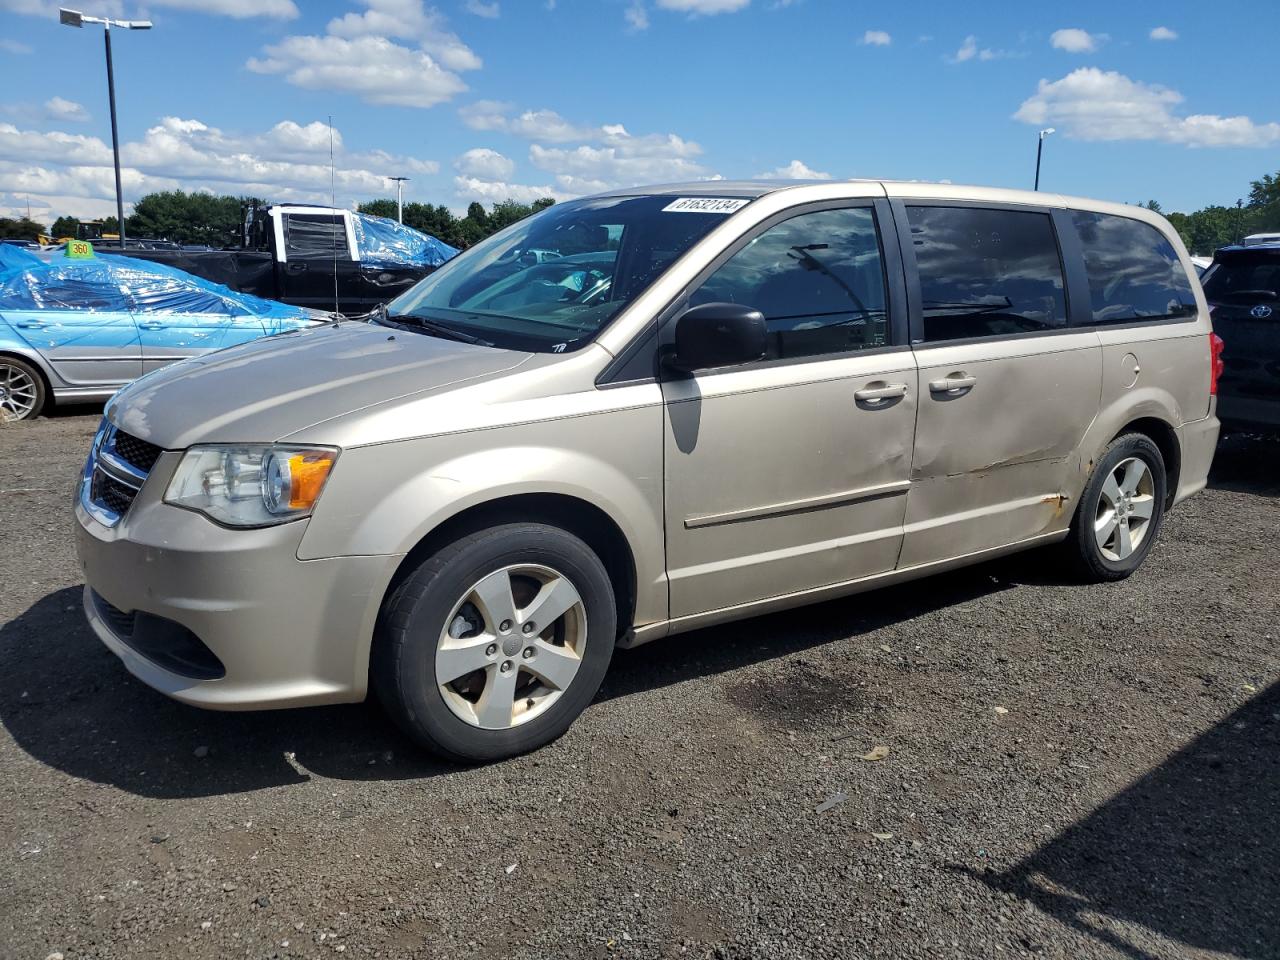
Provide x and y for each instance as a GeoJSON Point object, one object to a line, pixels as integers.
{"type": "Point", "coordinates": [217, 221]}
{"type": "Point", "coordinates": [202, 218]}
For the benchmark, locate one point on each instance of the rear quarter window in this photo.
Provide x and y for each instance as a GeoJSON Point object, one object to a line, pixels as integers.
{"type": "Point", "coordinates": [1134, 272]}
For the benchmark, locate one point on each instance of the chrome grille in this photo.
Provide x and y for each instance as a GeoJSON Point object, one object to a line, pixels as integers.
{"type": "Point", "coordinates": [118, 466]}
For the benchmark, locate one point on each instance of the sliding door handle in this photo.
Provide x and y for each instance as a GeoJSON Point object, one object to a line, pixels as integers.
{"type": "Point", "coordinates": [952, 383]}
{"type": "Point", "coordinates": [883, 391]}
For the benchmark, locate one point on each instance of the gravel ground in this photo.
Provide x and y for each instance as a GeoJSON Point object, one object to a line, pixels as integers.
{"type": "Point", "coordinates": [1071, 772]}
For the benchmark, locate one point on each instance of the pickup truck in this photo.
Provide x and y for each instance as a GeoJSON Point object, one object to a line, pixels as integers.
{"type": "Point", "coordinates": [323, 258]}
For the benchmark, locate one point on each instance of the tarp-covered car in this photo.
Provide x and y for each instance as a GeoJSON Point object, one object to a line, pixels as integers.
{"type": "Point", "coordinates": [81, 329]}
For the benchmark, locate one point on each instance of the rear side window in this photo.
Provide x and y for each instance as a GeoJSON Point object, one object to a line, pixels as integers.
{"type": "Point", "coordinates": [1134, 273]}
{"type": "Point", "coordinates": [987, 273]}
{"type": "Point", "coordinates": [818, 279]}
{"type": "Point", "coordinates": [312, 236]}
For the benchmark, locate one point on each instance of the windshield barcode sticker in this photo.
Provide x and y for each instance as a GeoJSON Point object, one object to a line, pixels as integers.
{"type": "Point", "coordinates": [704, 205]}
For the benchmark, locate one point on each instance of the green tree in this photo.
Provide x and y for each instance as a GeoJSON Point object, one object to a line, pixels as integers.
{"type": "Point", "coordinates": [20, 229]}
{"type": "Point", "coordinates": [64, 227]}
{"type": "Point", "coordinates": [379, 208]}
{"type": "Point", "coordinates": [189, 218]}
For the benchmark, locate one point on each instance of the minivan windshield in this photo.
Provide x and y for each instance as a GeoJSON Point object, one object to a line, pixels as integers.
{"type": "Point", "coordinates": [553, 281]}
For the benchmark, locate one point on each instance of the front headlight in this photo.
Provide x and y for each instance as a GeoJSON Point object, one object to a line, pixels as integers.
{"type": "Point", "coordinates": [251, 486]}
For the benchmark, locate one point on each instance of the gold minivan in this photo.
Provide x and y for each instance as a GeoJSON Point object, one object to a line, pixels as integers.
{"type": "Point", "coordinates": [636, 414]}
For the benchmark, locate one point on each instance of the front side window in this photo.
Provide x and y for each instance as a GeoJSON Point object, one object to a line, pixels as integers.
{"type": "Point", "coordinates": [315, 236]}
{"type": "Point", "coordinates": [552, 281]}
{"type": "Point", "coordinates": [1134, 273]}
{"type": "Point", "coordinates": [818, 279]}
{"type": "Point", "coordinates": [987, 273]}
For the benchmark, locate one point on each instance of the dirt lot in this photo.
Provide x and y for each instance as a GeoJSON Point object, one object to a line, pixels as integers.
{"type": "Point", "coordinates": [1072, 772]}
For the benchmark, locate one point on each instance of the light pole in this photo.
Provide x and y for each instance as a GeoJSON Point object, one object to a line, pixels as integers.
{"type": "Point", "coordinates": [74, 18]}
{"type": "Point", "coordinates": [400, 181]}
{"type": "Point", "coordinates": [1039, 150]}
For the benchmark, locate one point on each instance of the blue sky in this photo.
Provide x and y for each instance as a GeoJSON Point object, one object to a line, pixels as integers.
{"type": "Point", "coordinates": [484, 99]}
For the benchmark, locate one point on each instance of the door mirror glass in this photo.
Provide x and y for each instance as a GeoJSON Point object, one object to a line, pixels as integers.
{"type": "Point", "coordinates": [718, 335]}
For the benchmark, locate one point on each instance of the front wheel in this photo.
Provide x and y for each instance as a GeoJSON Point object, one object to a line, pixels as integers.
{"type": "Point", "coordinates": [493, 646]}
{"type": "Point", "coordinates": [1120, 511]}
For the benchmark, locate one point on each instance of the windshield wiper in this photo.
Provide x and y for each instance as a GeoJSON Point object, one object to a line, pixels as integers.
{"type": "Point", "coordinates": [433, 327]}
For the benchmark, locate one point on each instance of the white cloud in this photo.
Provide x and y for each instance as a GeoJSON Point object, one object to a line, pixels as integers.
{"type": "Point", "coordinates": [637, 16]}
{"type": "Point", "coordinates": [489, 11]}
{"type": "Point", "coordinates": [968, 50]}
{"type": "Point", "coordinates": [9, 45]}
{"type": "Point", "coordinates": [67, 110]}
{"type": "Point", "coordinates": [543, 124]}
{"type": "Point", "coordinates": [1075, 40]}
{"type": "Point", "coordinates": [1163, 33]}
{"type": "Point", "coordinates": [1090, 104]}
{"type": "Point", "coordinates": [495, 191]}
{"type": "Point", "coordinates": [795, 170]}
{"type": "Point", "coordinates": [289, 162]}
{"type": "Point", "coordinates": [876, 38]}
{"type": "Point", "coordinates": [486, 114]}
{"type": "Point", "coordinates": [485, 163]}
{"type": "Point", "coordinates": [373, 68]}
{"type": "Point", "coordinates": [620, 160]}
{"type": "Point", "coordinates": [703, 8]}
{"type": "Point", "coordinates": [359, 55]}
{"type": "Point", "coordinates": [239, 9]}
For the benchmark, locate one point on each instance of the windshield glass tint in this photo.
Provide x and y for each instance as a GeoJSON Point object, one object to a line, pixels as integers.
{"type": "Point", "coordinates": [1244, 279]}
{"type": "Point", "coordinates": [553, 281]}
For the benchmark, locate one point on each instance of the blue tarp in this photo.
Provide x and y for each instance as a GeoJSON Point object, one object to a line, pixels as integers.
{"type": "Point", "coordinates": [385, 243]}
{"type": "Point", "coordinates": [104, 282]}
{"type": "Point", "coordinates": [13, 257]}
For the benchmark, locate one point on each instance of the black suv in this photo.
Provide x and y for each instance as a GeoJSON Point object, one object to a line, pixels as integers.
{"type": "Point", "coordinates": [1243, 289]}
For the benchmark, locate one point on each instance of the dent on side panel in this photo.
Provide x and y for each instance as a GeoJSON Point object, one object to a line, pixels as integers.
{"type": "Point", "coordinates": [997, 464]}
{"type": "Point", "coordinates": [384, 499]}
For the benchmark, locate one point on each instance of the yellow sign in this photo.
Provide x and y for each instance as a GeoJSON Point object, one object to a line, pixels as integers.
{"type": "Point", "coordinates": [79, 250]}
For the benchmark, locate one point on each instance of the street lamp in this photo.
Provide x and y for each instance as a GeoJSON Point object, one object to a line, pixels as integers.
{"type": "Point", "coordinates": [1039, 150]}
{"type": "Point", "coordinates": [74, 18]}
{"type": "Point", "coordinates": [400, 181]}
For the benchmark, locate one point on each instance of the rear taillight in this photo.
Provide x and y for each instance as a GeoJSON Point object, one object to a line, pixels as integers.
{"type": "Point", "coordinates": [1215, 362]}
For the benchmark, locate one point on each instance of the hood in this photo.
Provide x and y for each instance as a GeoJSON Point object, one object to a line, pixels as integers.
{"type": "Point", "coordinates": [267, 389]}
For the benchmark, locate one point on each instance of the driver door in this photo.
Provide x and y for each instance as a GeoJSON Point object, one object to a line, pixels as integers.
{"type": "Point", "coordinates": [792, 473]}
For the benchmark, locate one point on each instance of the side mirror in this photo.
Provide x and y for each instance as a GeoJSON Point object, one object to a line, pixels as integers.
{"type": "Point", "coordinates": [718, 335]}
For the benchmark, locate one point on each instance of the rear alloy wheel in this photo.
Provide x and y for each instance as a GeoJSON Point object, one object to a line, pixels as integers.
{"type": "Point", "coordinates": [21, 390]}
{"type": "Point", "coordinates": [1125, 509]}
{"type": "Point", "coordinates": [1121, 510]}
{"type": "Point", "coordinates": [494, 645]}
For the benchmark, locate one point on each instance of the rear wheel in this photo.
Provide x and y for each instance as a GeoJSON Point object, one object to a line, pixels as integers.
{"type": "Point", "coordinates": [493, 646]}
{"type": "Point", "coordinates": [22, 394]}
{"type": "Point", "coordinates": [1121, 510]}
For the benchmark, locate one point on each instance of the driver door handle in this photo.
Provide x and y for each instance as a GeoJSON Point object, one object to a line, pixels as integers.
{"type": "Point", "coordinates": [887, 391]}
{"type": "Point", "coordinates": [953, 383]}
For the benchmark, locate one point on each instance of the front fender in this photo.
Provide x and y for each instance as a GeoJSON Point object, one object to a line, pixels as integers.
{"type": "Point", "coordinates": [384, 499]}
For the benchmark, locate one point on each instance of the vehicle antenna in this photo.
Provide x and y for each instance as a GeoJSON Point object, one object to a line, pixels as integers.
{"type": "Point", "coordinates": [333, 203]}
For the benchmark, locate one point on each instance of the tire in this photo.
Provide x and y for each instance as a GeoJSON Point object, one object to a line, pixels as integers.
{"type": "Point", "coordinates": [22, 391]}
{"type": "Point", "coordinates": [446, 617]}
{"type": "Point", "coordinates": [1096, 546]}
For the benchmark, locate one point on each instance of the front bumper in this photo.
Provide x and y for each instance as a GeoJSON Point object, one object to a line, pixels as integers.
{"type": "Point", "coordinates": [288, 632]}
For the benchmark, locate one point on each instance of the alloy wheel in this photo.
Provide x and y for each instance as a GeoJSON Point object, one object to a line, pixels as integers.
{"type": "Point", "coordinates": [1125, 509]}
{"type": "Point", "coordinates": [511, 647]}
{"type": "Point", "coordinates": [18, 393]}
